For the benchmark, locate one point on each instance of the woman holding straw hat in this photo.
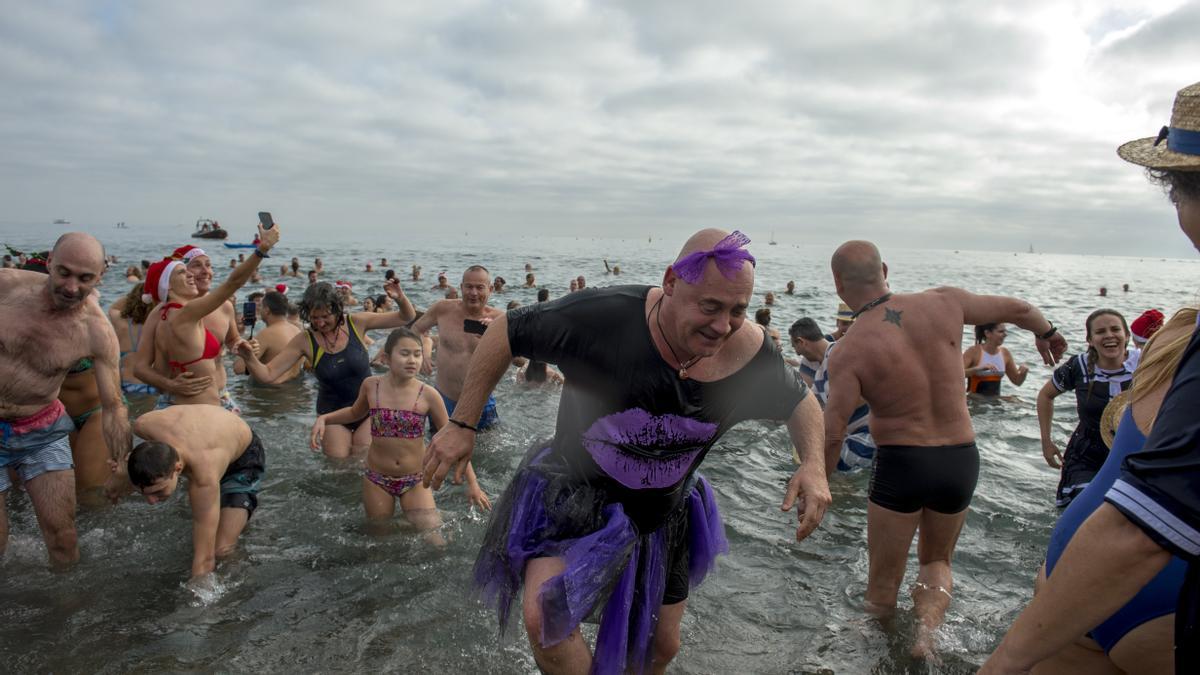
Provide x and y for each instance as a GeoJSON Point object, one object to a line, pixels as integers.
{"type": "Point", "coordinates": [1153, 509]}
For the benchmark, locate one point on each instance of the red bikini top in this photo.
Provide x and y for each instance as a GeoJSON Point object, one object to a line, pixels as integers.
{"type": "Point", "coordinates": [212, 346]}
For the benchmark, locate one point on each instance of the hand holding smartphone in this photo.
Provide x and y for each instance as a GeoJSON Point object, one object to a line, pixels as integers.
{"type": "Point", "coordinates": [473, 326]}
{"type": "Point", "coordinates": [249, 315]}
{"type": "Point", "coordinates": [265, 219]}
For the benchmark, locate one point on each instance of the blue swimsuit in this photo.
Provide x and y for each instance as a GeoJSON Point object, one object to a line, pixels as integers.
{"type": "Point", "coordinates": [1157, 598]}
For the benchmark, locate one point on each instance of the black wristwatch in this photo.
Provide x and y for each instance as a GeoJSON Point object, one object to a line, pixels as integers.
{"type": "Point", "coordinates": [258, 252]}
{"type": "Point", "coordinates": [1050, 333]}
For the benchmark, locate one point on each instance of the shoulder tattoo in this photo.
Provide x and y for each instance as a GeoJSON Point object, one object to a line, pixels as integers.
{"type": "Point", "coordinates": [892, 315]}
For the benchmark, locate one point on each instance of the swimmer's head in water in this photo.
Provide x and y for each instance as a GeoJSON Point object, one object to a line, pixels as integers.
{"type": "Point", "coordinates": [403, 349]}
{"type": "Point", "coordinates": [321, 307]}
{"type": "Point", "coordinates": [1107, 335]}
{"type": "Point", "coordinates": [698, 317]}
{"type": "Point", "coordinates": [476, 287]}
{"type": "Point", "coordinates": [543, 294]}
{"type": "Point", "coordinates": [76, 266]}
{"type": "Point", "coordinates": [154, 469]}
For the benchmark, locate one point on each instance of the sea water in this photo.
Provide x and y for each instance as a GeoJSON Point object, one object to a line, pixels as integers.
{"type": "Point", "coordinates": [310, 589]}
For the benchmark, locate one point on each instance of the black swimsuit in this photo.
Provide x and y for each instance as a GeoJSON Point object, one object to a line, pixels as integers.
{"type": "Point", "coordinates": [340, 374]}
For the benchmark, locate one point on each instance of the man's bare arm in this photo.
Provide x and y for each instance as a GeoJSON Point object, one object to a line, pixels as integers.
{"type": "Point", "coordinates": [107, 370]}
{"type": "Point", "coordinates": [809, 485]}
{"type": "Point", "coordinates": [981, 309]}
{"type": "Point", "coordinates": [452, 446]}
{"type": "Point", "coordinates": [206, 519]}
{"type": "Point", "coordinates": [845, 394]}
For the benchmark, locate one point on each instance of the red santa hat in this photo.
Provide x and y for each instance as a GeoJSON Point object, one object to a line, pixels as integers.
{"type": "Point", "coordinates": [341, 283]}
{"type": "Point", "coordinates": [1146, 325]}
{"type": "Point", "coordinates": [158, 280]}
{"type": "Point", "coordinates": [187, 253]}
{"type": "Point", "coordinates": [281, 288]}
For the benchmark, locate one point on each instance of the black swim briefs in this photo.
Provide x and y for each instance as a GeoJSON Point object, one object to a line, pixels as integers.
{"type": "Point", "coordinates": [908, 478]}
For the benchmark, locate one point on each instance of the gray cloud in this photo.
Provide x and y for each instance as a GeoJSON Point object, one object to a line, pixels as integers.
{"type": "Point", "coordinates": [965, 126]}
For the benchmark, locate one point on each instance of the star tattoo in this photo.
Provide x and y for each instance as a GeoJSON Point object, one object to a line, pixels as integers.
{"type": "Point", "coordinates": [892, 315]}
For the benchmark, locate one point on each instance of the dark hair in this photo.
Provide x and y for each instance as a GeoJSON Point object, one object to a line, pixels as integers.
{"type": "Point", "coordinates": [145, 264]}
{"type": "Point", "coordinates": [398, 335]}
{"type": "Point", "coordinates": [543, 294]}
{"type": "Point", "coordinates": [381, 300]}
{"type": "Point", "coordinates": [1093, 356]}
{"type": "Point", "coordinates": [134, 309]}
{"type": "Point", "coordinates": [763, 316]}
{"type": "Point", "coordinates": [276, 303]}
{"type": "Point", "coordinates": [295, 266]}
{"type": "Point", "coordinates": [805, 328]}
{"type": "Point", "coordinates": [1179, 185]}
{"type": "Point", "coordinates": [256, 296]}
{"type": "Point", "coordinates": [151, 461]}
{"type": "Point", "coordinates": [321, 296]}
{"type": "Point", "coordinates": [389, 275]}
{"type": "Point", "coordinates": [981, 331]}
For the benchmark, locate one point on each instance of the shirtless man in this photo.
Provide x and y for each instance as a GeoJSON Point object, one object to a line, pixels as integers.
{"type": "Point", "coordinates": [278, 333]}
{"type": "Point", "coordinates": [148, 364]}
{"type": "Point", "coordinates": [51, 323]}
{"type": "Point", "coordinates": [905, 359]}
{"type": "Point", "coordinates": [223, 460]}
{"type": "Point", "coordinates": [460, 323]}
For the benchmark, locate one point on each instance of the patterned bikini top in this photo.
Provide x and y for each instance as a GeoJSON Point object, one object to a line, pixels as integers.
{"type": "Point", "coordinates": [393, 423]}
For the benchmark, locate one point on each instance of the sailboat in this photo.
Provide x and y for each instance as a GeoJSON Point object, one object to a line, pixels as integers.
{"type": "Point", "coordinates": [1031, 248]}
{"type": "Point", "coordinates": [773, 242]}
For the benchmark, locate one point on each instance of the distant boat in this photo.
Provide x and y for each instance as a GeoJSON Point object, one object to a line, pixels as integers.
{"type": "Point", "coordinates": [209, 229]}
{"type": "Point", "coordinates": [1031, 248]}
{"type": "Point", "coordinates": [229, 245]}
{"type": "Point", "coordinates": [60, 221]}
{"type": "Point", "coordinates": [773, 242]}
{"type": "Point", "coordinates": [121, 226]}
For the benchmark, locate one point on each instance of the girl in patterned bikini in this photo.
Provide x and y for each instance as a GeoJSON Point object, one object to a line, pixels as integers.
{"type": "Point", "coordinates": [398, 404]}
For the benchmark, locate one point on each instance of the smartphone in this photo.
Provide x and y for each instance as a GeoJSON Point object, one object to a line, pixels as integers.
{"type": "Point", "coordinates": [265, 218]}
{"type": "Point", "coordinates": [249, 315]}
{"type": "Point", "coordinates": [473, 326]}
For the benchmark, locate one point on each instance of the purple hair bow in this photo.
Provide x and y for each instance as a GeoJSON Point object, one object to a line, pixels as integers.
{"type": "Point", "coordinates": [728, 254]}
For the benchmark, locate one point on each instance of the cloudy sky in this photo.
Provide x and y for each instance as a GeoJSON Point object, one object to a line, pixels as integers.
{"type": "Point", "coordinates": [973, 124]}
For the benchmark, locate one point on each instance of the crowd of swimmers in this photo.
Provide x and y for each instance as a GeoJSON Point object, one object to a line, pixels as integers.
{"type": "Point", "coordinates": [611, 519]}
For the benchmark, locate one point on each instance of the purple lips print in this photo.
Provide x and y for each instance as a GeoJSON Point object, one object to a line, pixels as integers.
{"type": "Point", "coordinates": [674, 440]}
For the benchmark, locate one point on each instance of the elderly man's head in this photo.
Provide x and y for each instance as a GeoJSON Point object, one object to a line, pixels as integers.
{"type": "Point", "coordinates": [706, 295]}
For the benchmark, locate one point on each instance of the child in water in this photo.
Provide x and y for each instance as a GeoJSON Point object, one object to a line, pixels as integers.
{"type": "Point", "coordinates": [397, 404]}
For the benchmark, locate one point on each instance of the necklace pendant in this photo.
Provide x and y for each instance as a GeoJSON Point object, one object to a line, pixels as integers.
{"type": "Point", "coordinates": [683, 374]}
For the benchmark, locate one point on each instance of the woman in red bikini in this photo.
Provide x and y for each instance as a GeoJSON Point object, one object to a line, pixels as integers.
{"type": "Point", "coordinates": [181, 339]}
{"type": "Point", "coordinates": [397, 404]}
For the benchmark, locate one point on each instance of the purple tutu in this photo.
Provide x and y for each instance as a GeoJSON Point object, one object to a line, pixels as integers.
{"type": "Point", "coordinates": [614, 573]}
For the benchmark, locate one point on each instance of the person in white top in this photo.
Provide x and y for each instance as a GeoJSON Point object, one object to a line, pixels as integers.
{"type": "Point", "coordinates": [986, 362]}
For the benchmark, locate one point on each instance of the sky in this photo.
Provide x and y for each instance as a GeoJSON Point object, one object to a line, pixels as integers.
{"type": "Point", "coordinates": [967, 124]}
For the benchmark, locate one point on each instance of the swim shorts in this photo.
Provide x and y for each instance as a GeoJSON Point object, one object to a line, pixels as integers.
{"type": "Point", "coordinates": [488, 419]}
{"type": "Point", "coordinates": [908, 478]}
{"type": "Point", "coordinates": [242, 479]}
{"type": "Point", "coordinates": [35, 445]}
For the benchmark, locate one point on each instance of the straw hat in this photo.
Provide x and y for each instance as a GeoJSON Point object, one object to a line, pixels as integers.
{"type": "Point", "coordinates": [1176, 147]}
{"type": "Point", "coordinates": [1112, 417]}
{"type": "Point", "coordinates": [844, 312]}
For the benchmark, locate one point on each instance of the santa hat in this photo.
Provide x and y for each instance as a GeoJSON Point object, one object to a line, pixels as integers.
{"type": "Point", "coordinates": [281, 288]}
{"type": "Point", "coordinates": [343, 284]}
{"type": "Point", "coordinates": [158, 280]}
{"type": "Point", "coordinates": [1146, 326]}
{"type": "Point", "coordinates": [187, 253]}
